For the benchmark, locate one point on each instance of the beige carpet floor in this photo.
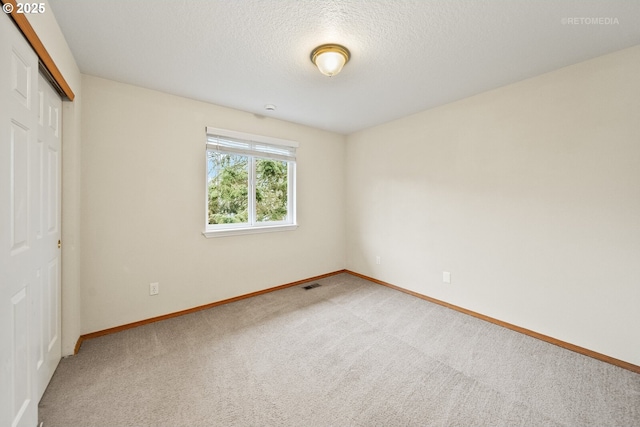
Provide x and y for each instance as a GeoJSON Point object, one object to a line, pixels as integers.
{"type": "Point", "coordinates": [348, 353]}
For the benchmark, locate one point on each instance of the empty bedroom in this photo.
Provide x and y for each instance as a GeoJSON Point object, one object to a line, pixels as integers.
{"type": "Point", "coordinates": [320, 213]}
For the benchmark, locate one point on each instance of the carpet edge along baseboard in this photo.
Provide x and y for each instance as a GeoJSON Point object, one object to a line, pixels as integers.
{"type": "Point", "coordinates": [563, 344]}
{"type": "Point", "coordinates": [568, 346]}
{"type": "Point", "coordinates": [120, 328]}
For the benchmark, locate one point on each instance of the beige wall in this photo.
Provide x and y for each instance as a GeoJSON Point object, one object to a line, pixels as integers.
{"type": "Point", "coordinates": [47, 29]}
{"type": "Point", "coordinates": [529, 195]}
{"type": "Point", "coordinates": [143, 194]}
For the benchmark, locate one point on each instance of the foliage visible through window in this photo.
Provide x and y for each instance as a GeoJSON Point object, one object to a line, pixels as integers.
{"type": "Point", "coordinates": [249, 184]}
{"type": "Point", "coordinates": [228, 188]}
{"type": "Point", "coordinates": [271, 190]}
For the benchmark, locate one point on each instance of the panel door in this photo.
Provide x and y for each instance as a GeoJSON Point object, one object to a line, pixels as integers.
{"type": "Point", "coordinates": [46, 203]}
{"type": "Point", "coordinates": [20, 251]}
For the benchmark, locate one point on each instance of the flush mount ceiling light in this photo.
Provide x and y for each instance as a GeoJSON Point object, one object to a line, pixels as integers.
{"type": "Point", "coordinates": [330, 58]}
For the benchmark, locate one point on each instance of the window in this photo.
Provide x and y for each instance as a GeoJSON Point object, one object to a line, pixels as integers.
{"type": "Point", "coordinates": [250, 183]}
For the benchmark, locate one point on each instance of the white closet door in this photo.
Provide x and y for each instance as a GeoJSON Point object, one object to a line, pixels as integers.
{"type": "Point", "coordinates": [47, 208]}
{"type": "Point", "coordinates": [29, 232]}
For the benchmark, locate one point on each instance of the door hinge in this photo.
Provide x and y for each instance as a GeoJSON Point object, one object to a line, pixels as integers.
{"type": "Point", "coordinates": [59, 244]}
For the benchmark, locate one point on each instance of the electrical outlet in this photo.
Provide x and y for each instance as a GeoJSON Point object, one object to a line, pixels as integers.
{"type": "Point", "coordinates": [154, 288]}
{"type": "Point", "coordinates": [378, 259]}
{"type": "Point", "coordinates": [446, 277]}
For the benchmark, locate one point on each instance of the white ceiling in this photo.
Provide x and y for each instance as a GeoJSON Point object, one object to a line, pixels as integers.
{"type": "Point", "coordinates": [407, 56]}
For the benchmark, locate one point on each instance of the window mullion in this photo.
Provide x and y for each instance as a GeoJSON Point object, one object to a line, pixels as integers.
{"type": "Point", "coordinates": [252, 191]}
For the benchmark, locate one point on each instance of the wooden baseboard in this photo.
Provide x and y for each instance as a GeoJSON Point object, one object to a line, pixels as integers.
{"type": "Point", "coordinates": [113, 330]}
{"type": "Point", "coordinates": [546, 338]}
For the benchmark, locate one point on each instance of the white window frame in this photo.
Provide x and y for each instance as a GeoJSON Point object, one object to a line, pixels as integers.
{"type": "Point", "coordinates": [254, 144]}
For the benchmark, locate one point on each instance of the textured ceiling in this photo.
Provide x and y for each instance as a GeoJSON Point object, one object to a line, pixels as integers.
{"type": "Point", "coordinates": [407, 56]}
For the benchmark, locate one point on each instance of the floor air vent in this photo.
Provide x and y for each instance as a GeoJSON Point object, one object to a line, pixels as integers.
{"type": "Point", "coordinates": [311, 286]}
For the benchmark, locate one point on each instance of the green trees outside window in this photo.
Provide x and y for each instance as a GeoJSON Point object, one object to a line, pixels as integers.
{"type": "Point", "coordinates": [271, 190]}
{"type": "Point", "coordinates": [228, 188]}
{"type": "Point", "coordinates": [229, 179]}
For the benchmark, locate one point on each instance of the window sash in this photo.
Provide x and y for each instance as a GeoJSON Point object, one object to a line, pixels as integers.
{"type": "Point", "coordinates": [248, 184]}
